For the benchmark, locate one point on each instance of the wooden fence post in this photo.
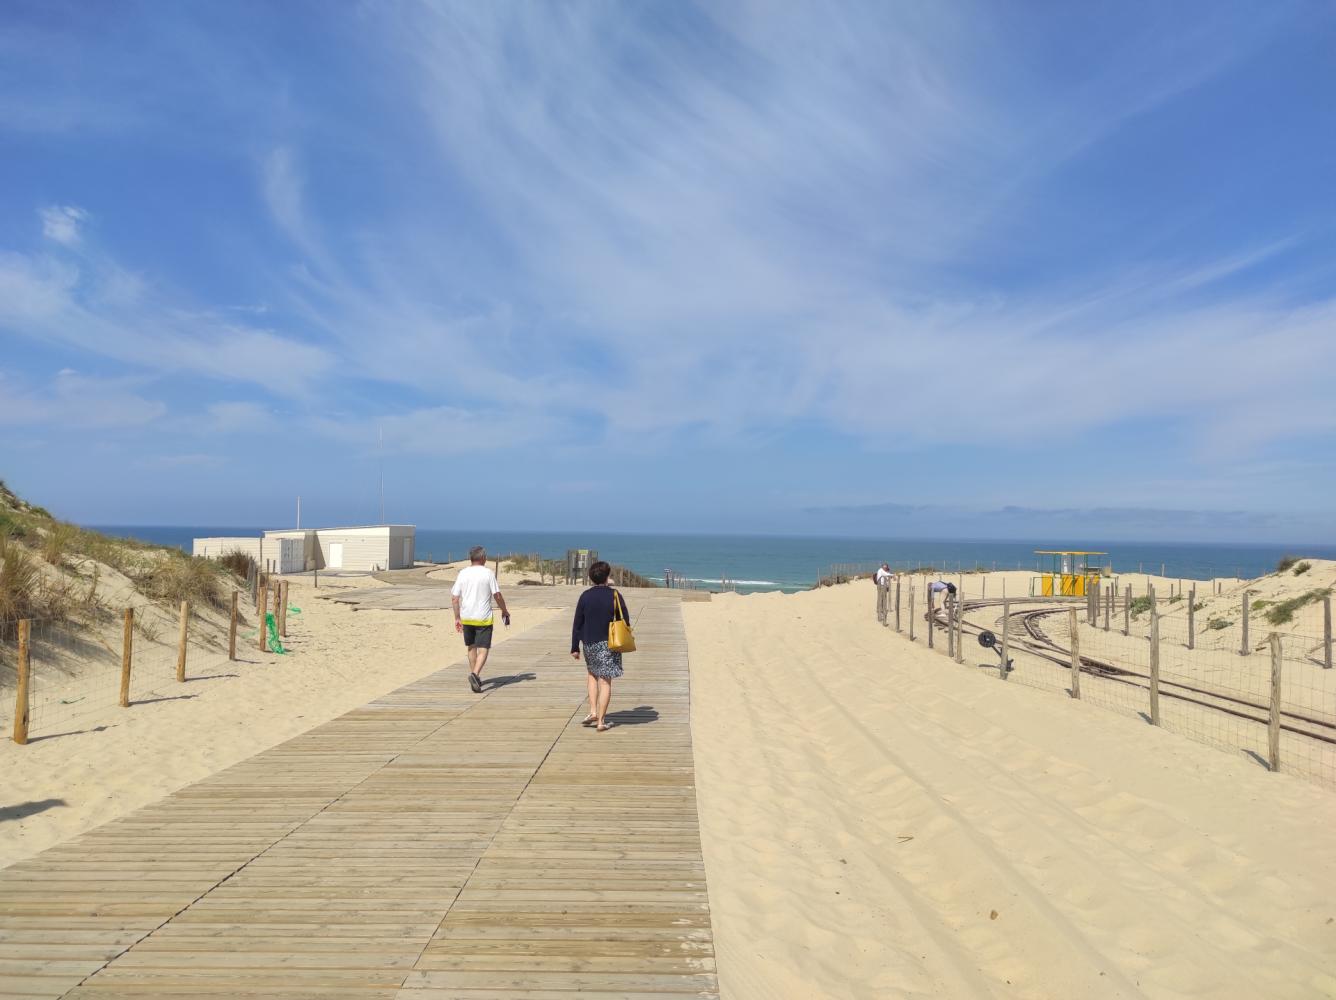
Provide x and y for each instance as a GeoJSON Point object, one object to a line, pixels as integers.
{"type": "Point", "coordinates": [181, 643]}
{"type": "Point", "coordinates": [1243, 644]}
{"type": "Point", "coordinates": [1192, 618]}
{"type": "Point", "coordinates": [960, 624]}
{"type": "Point", "coordinates": [127, 654]}
{"type": "Point", "coordinates": [1127, 611]}
{"type": "Point", "coordinates": [21, 693]}
{"type": "Point", "coordinates": [1006, 636]}
{"type": "Point", "coordinates": [232, 630]}
{"type": "Point", "coordinates": [911, 610]}
{"type": "Point", "coordinates": [1074, 626]}
{"type": "Point", "coordinates": [1154, 667]}
{"type": "Point", "coordinates": [931, 611]}
{"type": "Point", "coordinates": [283, 612]}
{"type": "Point", "coordinates": [1108, 604]}
{"type": "Point", "coordinates": [897, 605]}
{"type": "Point", "coordinates": [1326, 632]}
{"type": "Point", "coordinates": [1273, 723]}
{"type": "Point", "coordinates": [262, 606]}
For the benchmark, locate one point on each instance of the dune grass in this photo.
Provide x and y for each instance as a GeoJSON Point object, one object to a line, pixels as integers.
{"type": "Point", "coordinates": [20, 584]}
{"type": "Point", "coordinates": [1282, 613]}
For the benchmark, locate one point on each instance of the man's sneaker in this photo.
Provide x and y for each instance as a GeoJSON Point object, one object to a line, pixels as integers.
{"type": "Point", "coordinates": [475, 683]}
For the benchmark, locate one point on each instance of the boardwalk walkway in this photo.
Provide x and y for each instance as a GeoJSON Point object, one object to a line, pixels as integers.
{"type": "Point", "coordinates": [430, 844]}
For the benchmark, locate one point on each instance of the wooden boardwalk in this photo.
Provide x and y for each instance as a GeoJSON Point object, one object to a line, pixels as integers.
{"type": "Point", "coordinates": [431, 844]}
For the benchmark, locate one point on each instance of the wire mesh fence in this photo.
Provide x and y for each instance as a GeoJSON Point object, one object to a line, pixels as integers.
{"type": "Point", "coordinates": [1271, 697]}
{"type": "Point", "coordinates": [79, 673]}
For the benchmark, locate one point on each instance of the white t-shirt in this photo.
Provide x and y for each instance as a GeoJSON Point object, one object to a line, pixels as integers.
{"type": "Point", "coordinates": [883, 575]}
{"type": "Point", "coordinates": [474, 587]}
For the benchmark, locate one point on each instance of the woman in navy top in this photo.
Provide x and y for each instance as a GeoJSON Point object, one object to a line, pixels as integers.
{"type": "Point", "coordinates": [593, 614]}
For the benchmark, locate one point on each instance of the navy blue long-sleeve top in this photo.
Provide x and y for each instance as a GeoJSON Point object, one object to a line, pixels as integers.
{"type": "Point", "coordinates": [593, 615]}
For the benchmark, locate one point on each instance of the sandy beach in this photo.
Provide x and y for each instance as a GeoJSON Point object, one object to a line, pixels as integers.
{"type": "Point", "coordinates": [880, 821]}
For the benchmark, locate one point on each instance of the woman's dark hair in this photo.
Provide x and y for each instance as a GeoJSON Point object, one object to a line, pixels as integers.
{"type": "Point", "coordinates": [599, 572]}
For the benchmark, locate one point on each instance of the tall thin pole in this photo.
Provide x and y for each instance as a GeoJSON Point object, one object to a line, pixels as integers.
{"type": "Point", "coordinates": [299, 512]}
{"type": "Point", "coordinates": [380, 453]}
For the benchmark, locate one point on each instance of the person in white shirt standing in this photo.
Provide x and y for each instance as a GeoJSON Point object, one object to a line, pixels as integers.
{"type": "Point", "coordinates": [472, 596]}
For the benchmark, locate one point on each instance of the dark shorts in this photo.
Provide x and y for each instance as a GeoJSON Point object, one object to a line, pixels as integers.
{"type": "Point", "coordinates": [478, 635]}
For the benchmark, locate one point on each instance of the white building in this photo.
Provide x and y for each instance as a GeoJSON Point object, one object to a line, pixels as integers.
{"type": "Point", "coordinates": [293, 550]}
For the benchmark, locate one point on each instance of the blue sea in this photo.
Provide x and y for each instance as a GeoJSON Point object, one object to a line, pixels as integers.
{"type": "Point", "coordinates": [789, 563]}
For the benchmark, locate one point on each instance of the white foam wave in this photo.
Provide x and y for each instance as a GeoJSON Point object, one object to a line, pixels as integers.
{"type": "Point", "coordinates": [741, 583]}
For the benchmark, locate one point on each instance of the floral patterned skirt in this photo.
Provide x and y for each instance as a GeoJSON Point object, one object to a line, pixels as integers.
{"type": "Point", "coordinates": [602, 662]}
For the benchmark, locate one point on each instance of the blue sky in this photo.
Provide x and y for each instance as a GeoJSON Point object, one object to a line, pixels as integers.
{"type": "Point", "coordinates": [802, 268]}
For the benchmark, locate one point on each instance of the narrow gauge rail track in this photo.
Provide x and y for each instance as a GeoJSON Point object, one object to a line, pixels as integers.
{"type": "Point", "coordinates": [1039, 644]}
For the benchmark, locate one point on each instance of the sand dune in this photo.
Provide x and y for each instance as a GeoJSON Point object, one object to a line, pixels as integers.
{"type": "Point", "coordinates": [880, 821]}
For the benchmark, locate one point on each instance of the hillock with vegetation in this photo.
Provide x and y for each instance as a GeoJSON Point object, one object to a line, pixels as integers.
{"type": "Point", "coordinates": [76, 581]}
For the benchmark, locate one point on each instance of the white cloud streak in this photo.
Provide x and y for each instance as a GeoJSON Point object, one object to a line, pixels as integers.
{"type": "Point", "coordinates": [97, 307]}
{"type": "Point", "coordinates": [80, 402]}
{"type": "Point", "coordinates": [63, 223]}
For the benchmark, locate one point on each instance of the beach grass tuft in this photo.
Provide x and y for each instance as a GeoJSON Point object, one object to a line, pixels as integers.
{"type": "Point", "coordinates": [20, 583]}
{"type": "Point", "coordinates": [239, 564]}
{"type": "Point", "coordinates": [176, 577]}
{"type": "Point", "coordinates": [1283, 612]}
{"type": "Point", "coordinates": [1285, 563]}
{"type": "Point", "coordinates": [1302, 568]}
{"type": "Point", "coordinates": [57, 541]}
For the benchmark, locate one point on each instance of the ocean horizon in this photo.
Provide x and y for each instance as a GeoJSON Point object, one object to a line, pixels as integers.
{"type": "Point", "coordinates": [793, 562]}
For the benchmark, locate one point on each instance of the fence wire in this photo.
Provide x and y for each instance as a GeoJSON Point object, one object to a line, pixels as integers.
{"type": "Point", "coordinates": [1218, 690]}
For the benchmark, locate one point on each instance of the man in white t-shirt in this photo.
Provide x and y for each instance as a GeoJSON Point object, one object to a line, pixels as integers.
{"type": "Point", "coordinates": [472, 595]}
{"type": "Point", "coordinates": [884, 575]}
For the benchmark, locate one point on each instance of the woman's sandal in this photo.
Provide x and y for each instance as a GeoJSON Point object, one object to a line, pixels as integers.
{"type": "Point", "coordinates": [605, 727]}
{"type": "Point", "coordinates": [589, 720]}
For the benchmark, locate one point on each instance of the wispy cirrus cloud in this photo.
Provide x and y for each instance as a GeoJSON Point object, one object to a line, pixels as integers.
{"type": "Point", "coordinates": [91, 304]}
{"type": "Point", "coordinates": [74, 400]}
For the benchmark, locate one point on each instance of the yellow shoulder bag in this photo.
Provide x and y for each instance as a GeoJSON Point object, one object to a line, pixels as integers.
{"type": "Point", "coordinates": [620, 637]}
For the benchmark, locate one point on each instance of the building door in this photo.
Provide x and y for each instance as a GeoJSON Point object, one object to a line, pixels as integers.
{"type": "Point", "coordinates": [336, 555]}
{"type": "Point", "coordinates": [408, 552]}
